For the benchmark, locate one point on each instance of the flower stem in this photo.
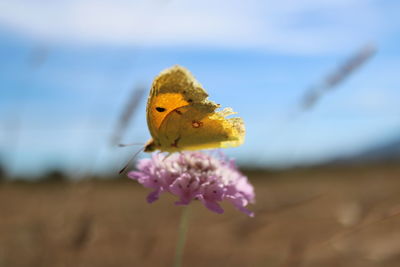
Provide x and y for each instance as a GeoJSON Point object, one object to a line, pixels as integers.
{"type": "Point", "coordinates": [182, 231]}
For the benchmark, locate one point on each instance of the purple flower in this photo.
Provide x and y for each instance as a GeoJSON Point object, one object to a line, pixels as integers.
{"type": "Point", "coordinates": [195, 176]}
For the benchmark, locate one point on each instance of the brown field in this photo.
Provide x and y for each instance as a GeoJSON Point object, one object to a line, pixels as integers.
{"type": "Point", "coordinates": [320, 217]}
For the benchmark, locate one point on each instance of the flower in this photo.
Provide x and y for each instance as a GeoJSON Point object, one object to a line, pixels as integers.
{"type": "Point", "coordinates": [195, 176]}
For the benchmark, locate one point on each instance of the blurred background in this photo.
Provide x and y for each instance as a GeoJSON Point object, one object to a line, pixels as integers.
{"type": "Point", "coordinates": [316, 82]}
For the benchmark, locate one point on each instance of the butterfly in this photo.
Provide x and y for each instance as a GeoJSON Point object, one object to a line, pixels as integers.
{"type": "Point", "coordinates": [181, 117]}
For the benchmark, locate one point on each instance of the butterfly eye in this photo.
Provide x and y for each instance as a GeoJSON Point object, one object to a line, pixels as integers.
{"type": "Point", "coordinates": [160, 109]}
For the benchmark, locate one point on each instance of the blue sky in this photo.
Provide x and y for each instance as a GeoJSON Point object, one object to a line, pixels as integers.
{"type": "Point", "coordinates": [67, 68]}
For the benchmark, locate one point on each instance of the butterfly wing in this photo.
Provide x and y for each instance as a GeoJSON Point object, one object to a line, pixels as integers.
{"type": "Point", "coordinates": [199, 126]}
{"type": "Point", "coordinates": [173, 88]}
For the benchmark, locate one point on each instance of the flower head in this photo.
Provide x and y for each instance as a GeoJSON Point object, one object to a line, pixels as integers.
{"type": "Point", "coordinates": [195, 176]}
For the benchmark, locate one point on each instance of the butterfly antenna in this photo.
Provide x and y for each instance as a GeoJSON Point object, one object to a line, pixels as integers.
{"type": "Point", "coordinates": [130, 161]}
{"type": "Point", "coordinates": [132, 144]}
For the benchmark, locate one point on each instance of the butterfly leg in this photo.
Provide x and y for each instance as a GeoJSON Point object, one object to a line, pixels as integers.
{"type": "Point", "coordinates": [167, 156]}
{"type": "Point", "coordinates": [175, 143]}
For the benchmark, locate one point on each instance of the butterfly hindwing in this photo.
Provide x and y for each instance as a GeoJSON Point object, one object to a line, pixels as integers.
{"type": "Point", "coordinates": [198, 126]}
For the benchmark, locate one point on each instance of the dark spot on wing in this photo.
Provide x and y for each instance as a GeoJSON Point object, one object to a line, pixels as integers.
{"type": "Point", "coordinates": [160, 109]}
{"type": "Point", "coordinates": [178, 111]}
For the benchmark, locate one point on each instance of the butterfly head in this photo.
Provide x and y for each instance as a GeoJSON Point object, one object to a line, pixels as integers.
{"type": "Point", "coordinates": [150, 146]}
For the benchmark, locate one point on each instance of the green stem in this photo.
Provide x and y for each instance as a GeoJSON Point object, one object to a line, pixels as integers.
{"type": "Point", "coordinates": [182, 231]}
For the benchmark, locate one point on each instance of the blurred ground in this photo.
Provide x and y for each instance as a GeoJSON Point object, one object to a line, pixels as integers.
{"type": "Point", "coordinates": [311, 217]}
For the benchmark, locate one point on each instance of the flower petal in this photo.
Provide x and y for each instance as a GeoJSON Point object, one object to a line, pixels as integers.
{"type": "Point", "coordinates": [211, 205]}
{"type": "Point", "coordinates": [153, 196]}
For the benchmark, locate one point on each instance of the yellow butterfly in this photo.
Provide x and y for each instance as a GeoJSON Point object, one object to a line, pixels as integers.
{"type": "Point", "coordinates": [180, 117]}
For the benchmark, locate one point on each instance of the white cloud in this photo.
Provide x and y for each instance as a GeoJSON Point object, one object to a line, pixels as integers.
{"type": "Point", "coordinates": [289, 26]}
